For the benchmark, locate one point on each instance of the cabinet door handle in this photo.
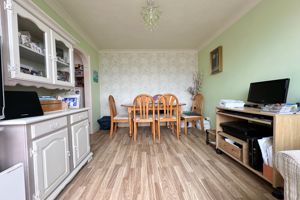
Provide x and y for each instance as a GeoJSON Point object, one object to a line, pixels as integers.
{"type": "Point", "coordinates": [54, 126]}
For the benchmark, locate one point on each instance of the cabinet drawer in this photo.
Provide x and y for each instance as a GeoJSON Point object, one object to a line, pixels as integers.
{"type": "Point", "coordinates": [78, 117]}
{"type": "Point", "coordinates": [47, 126]}
{"type": "Point", "coordinates": [231, 149]}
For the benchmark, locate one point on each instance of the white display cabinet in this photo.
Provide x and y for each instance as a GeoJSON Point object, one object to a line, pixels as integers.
{"type": "Point", "coordinates": [37, 53]}
{"type": "Point", "coordinates": [29, 43]}
{"type": "Point", "coordinates": [62, 52]}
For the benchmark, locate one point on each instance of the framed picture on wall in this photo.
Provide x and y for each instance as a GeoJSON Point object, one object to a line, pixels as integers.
{"type": "Point", "coordinates": [216, 60]}
{"type": "Point", "coordinates": [95, 76]}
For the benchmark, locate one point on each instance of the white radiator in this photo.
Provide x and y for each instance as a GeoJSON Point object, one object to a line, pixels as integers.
{"type": "Point", "coordinates": [12, 185]}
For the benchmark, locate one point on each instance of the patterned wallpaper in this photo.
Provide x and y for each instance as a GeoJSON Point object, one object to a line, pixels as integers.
{"type": "Point", "coordinates": [125, 74]}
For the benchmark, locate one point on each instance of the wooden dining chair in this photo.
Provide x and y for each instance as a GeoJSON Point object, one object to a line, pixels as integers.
{"type": "Point", "coordinates": [116, 118]}
{"type": "Point", "coordinates": [168, 111]}
{"type": "Point", "coordinates": [143, 112]}
{"type": "Point", "coordinates": [156, 97]}
{"type": "Point", "coordinates": [195, 114]}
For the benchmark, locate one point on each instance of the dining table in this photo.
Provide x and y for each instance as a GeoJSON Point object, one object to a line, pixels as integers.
{"type": "Point", "coordinates": [130, 106]}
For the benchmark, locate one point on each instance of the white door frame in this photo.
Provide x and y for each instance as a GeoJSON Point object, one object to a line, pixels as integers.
{"type": "Point", "coordinates": [86, 59]}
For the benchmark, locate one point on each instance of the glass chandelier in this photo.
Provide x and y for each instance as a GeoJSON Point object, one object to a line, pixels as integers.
{"type": "Point", "coordinates": [151, 15]}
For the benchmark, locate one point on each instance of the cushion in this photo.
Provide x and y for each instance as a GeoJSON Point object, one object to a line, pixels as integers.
{"type": "Point", "coordinates": [121, 116]}
{"type": "Point", "coordinates": [189, 113]}
{"type": "Point", "coordinates": [150, 117]}
{"type": "Point", "coordinates": [162, 117]}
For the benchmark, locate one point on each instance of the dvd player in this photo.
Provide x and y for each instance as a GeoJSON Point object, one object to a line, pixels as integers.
{"type": "Point", "coordinates": [245, 130]}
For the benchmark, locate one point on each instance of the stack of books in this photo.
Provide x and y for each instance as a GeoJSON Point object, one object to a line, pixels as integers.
{"type": "Point", "coordinates": [281, 108]}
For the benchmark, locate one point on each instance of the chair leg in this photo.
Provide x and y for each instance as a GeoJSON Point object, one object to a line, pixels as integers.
{"type": "Point", "coordinates": [172, 127]}
{"type": "Point", "coordinates": [179, 122]}
{"type": "Point", "coordinates": [177, 130]}
{"type": "Point", "coordinates": [194, 124]}
{"type": "Point", "coordinates": [153, 131]}
{"type": "Point", "coordinates": [158, 131]}
{"type": "Point", "coordinates": [134, 131]}
{"type": "Point", "coordinates": [131, 128]}
{"type": "Point", "coordinates": [111, 128]}
{"type": "Point", "coordinates": [185, 126]}
{"type": "Point", "coordinates": [202, 124]}
{"type": "Point", "coordinates": [116, 127]}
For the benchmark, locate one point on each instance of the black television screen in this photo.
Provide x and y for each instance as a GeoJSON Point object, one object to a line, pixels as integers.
{"type": "Point", "coordinates": [21, 104]}
{"type": "Point", "coordinates": [269, 92]}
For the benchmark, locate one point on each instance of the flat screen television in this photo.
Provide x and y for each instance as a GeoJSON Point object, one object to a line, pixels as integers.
{"type": "Point", "coordinates": [269, 92]}
{"type": "Point", "coordinates": [1, 83]}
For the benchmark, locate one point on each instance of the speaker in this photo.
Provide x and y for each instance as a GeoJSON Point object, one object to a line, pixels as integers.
{"type": "Point", "coordinates": [255, 156]}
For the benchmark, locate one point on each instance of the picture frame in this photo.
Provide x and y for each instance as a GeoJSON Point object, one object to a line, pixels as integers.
{"type": "Point", "coordinates": [95, 76]}
{"type": "Point", "coordinates": [216, 60]}
{"type": "Point", "coordinates": [73, 101]}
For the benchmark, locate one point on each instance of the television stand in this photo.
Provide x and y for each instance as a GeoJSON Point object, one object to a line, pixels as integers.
{"type": "Point", "coordinates": [286, 136]}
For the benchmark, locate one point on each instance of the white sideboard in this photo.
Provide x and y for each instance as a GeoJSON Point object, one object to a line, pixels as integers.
{"type": "Point", "coordinates": [52, 148]}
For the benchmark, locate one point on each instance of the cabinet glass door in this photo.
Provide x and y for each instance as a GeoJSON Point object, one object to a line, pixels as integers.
{"type": "Point", "coordinates": [63, 62]}
{"type": "Point", "coordinates": [29, 46]}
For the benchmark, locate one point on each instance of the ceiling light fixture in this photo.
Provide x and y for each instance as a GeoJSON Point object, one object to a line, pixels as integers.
{"type": "Point", "coordinates": [151, 15]}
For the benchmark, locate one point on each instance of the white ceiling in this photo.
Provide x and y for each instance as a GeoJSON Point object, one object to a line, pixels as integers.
{"type": "Point", "coordinates": [184, 24]}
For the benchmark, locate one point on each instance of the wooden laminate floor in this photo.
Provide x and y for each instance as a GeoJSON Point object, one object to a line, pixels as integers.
{"type": "Point", "coordinates": [170, 170]}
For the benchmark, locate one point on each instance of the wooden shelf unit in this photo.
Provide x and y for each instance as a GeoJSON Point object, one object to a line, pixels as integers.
{"type": "Point", "coordinates": [286, 134]}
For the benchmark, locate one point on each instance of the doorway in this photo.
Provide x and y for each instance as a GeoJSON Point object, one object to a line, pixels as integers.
{"type": "Point", "coordinates": [83, 81]}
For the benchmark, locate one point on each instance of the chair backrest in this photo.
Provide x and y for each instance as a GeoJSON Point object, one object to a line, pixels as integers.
{"type": "Point", "coordinates": [198, 103]}
{"type": "Point", "coordinates": [169, 104]}
{"type": "Point", "coordinates": [112, 106]}
{"type": "Point", "coordinates": [144, 104]}
{"type": "Point", "coordinates": [156, 97]}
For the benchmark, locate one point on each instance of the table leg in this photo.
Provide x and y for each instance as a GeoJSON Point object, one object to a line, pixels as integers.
{"type": "Point", "coordinates": [129, 121]}
{"type": "Point", "coordinates": [179, 107]}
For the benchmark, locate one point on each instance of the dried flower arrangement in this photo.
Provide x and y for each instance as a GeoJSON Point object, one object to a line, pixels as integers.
{"type": "Point", "coordinates": [197, 84]}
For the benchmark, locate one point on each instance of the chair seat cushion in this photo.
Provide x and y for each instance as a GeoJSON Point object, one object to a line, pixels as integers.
{"type": "Point", "coordinates": [121, 116]}
{"type": "Point", "coordinates": [191, 116]}
{"type": "Point", "coordinates": [138, 118]}
{"type": "Point", "coordinates": [161, 117]}
{"type": "Point", "coordinates": [190, 113]}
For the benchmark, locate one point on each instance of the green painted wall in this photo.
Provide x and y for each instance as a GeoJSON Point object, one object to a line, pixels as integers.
{"type": "Point", "coordinates": [88, 49]}
{"type": "Point", "coordinates": [262, 45]}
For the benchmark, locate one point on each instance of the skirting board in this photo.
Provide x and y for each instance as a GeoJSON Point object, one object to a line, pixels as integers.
{"type": "Point", "coordinates": [56, 192]}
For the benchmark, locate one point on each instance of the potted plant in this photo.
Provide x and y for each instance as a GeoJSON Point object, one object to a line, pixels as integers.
{"type": "Point", "coordinates": [197, 84]}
